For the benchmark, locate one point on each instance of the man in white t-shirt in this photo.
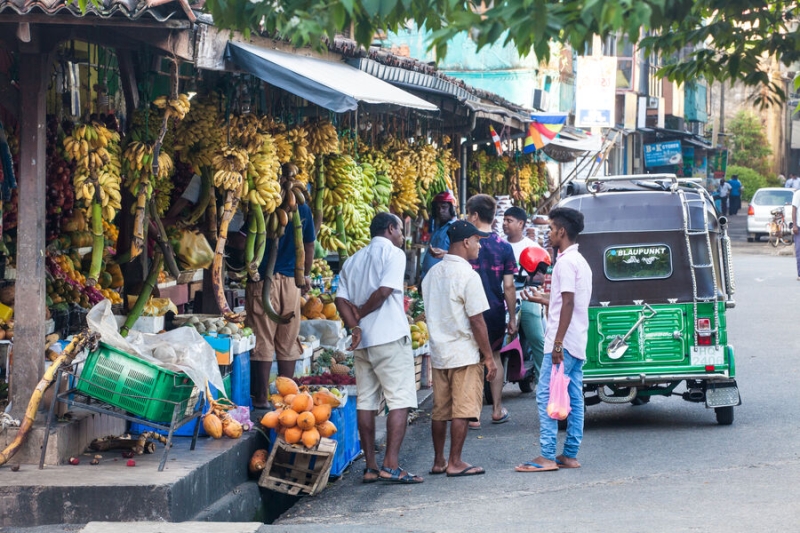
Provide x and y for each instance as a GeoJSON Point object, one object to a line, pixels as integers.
{"type": "Point", "coordinates": [724, 192]}
{"type": "Point", "coordinates": [565, 341]}
{"type": "Point", "coordinates": [514, 220]}
{"type": "Point", "coordinates": [796, 229]}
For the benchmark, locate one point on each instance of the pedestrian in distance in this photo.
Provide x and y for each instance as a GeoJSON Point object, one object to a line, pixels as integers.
{"type": "Point", "coordinates": [444, 214]}
{"type": "Point", "coordinates": [530, 321]}
{"type": "Point", "coordinates": [273, 340]}
{"type": "Point", "coordinates": [496, 266]}
{"type": "Point", "coordinates": [454, 305]}
{"type": "Point", "coordinates": [724, 191]}
{"type": "Point", "coordinates": [791, 182]}
{"type": "Point", "coordinates": [736, 194]}
{"type": "Point", "coordinates": [370, 301]}
{"type": "Point", "coordinates": [796, 229]}
{"type": "Point", "coordinates": [565, 340]}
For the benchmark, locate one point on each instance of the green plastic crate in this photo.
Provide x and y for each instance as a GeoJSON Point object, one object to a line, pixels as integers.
{"type": "Point", "coordinates": [133, 384]}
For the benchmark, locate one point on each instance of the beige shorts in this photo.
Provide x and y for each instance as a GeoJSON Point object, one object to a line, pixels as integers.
{"type": "Point", "coordinates": [273, 338]}
{"type": "Point", "coordinates": [457, 392]}
{"type": "Point", "coordinates": [387, 368]}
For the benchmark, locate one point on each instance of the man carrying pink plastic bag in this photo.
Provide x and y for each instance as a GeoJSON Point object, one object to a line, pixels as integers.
{"type": "Point", "coordinates": [565, 341]}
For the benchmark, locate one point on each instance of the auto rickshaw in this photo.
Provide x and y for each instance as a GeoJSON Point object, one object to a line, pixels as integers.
{"type": "Point", "coordinates": [662, 285]}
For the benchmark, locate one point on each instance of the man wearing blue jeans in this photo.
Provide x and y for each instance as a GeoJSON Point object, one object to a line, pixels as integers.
{"type": "Point", "coordinates": [565, 340]}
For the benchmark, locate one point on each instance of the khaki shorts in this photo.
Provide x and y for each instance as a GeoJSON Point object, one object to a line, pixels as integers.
{"type": "Point", "coordinates": [387, 368]}
{"type": "Point", "coordinates": [273, 338]}
{"type": "Point", "coordinates": [457, 392]}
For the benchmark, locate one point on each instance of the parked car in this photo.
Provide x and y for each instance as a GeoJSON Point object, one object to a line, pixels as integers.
{"type": "Point", "coordinates": [759, 214]}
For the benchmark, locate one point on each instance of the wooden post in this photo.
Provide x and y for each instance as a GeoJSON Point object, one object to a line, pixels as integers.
{"type": "Point", "coordinates": [28, 366]}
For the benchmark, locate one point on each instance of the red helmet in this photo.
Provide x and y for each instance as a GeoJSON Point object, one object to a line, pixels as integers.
{"type": "Point", "coordinates": [534, 259]}
{"type": "Point", "coordinates": [445, 197]}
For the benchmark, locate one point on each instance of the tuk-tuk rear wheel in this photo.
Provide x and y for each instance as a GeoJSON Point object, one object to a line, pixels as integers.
{"type": "Point", "coordinates": [724, 415]}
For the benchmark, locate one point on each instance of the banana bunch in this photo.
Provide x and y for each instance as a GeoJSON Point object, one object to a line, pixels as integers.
{"type": "Point", "coordinates": [244, 132]}
{"type": "Point", "coordinates": [423, 156]}
{"type": "Point", "coordinates": [176, 107]}
{"type": "Point", "coordinates": [88, 145]}
{"type": "Point", "coordinates": [283, 147]}
{"type": "Point", "coordinates": [403, 174]}
{"type": "Point", "coordinates": [450, 162]}
{"type": "Point", "coordinates": [298, 137]}
{"type": "Point", "coordinates": [272, 125]}
{"type": "Point", "coordinates": [292, 194]}
{"type": "Point", "coordinates": [265, 193]}
{"type": "Point", "coordinates": [523, 190]}
{"type": "Point", "coordinates": [200, 133]}
{"type": "Point", "coordinates": [322, 137]}
{"type": "Point", "coordinates": [107, 185]}
{"type": "Point", "coordinates": [341, 177]}
{"type": "Point", "coordinates": [328, 240]}
{"type": "Point", "coordinates": [95, 149]}
{"type": "Point", "coordinates": [229, 164]}
{"type": "Point", "coordinates": [382, 193]}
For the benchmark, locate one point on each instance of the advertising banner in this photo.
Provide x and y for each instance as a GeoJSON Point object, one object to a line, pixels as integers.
{"type": "Point", "coordinates": [663, 154]}
{"type": "Point", "coordinates": [595, 92]}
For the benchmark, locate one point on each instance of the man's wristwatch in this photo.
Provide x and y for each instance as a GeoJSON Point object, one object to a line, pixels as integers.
{"type": "Point", "coordinates": [557, 347]}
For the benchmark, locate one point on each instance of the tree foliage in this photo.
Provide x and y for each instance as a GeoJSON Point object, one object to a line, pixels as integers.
{"type": "Point", "coordinates": [727, 39]}
{"type": "Point", "coordinates": [751, 180]}
{"type": "Point", "coordinates": [747, 144]}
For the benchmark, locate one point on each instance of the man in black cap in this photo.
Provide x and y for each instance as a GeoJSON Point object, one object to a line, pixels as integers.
{"type": "Point", "coordinates": [454, 306]}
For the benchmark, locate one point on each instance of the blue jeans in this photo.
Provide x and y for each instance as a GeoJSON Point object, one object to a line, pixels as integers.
{"type": "Point", "coordinates": [548, 428]}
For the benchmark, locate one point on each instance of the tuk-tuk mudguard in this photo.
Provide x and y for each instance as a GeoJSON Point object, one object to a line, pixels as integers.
{"type": "Point", "coordinates": [659, 349]}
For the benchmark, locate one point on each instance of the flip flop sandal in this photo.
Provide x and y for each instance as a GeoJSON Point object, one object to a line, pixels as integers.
{"type": "Point", "coordinates": [469, 471]}
{"type": "Point", "coordinates": [503, 419]}
{"type": "Point", "coordinates": [371, 471]}
{"type": "Point", "coordinates": [408, 479]}
{"type": "Point", "coordinates": [534, 467]}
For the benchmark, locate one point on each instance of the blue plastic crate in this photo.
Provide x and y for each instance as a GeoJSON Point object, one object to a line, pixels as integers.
{"type": "Point", "coordinates": [348, 443]}
{"type": "Point", "coordinates": [240, 380]}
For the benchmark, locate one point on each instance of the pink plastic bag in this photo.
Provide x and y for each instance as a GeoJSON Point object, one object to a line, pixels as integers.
{"type": "Point", "coordinates": [558, 407]}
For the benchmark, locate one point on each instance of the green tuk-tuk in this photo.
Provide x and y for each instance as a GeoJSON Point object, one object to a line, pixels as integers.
{"type": "Point", "coordinates": [663, 282]}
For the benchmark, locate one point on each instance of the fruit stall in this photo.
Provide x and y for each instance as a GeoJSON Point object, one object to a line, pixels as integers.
{"type": "Point", "coordinates": [161, 186]}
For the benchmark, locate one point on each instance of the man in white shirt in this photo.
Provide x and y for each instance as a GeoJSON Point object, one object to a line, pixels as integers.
{"type": "Point", "coordinates": [724, 192]}
{"type": "Point", "coordinates": [454, 304]}
{"type": "Point", "coordinates": [530, 322]}
{"type": "Point", "coordinates": [370, 301]}
{"type": "Point", "coordinates": [565, 340]}
{"type": "Point", "coordinates": [796, 229]}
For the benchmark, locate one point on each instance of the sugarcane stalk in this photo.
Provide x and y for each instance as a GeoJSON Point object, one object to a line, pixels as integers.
{"type": "Point", "coordinates": [266, 302]}
{"type": "Point", "coordinates": [250, 241]}
{"type": "Point", "coordinates": [202, 201]}
{"type": "Point", "coordinates": [163, 241]}
{"type": "Point", "coordinates": [121, 259]}
{"type": "Point", "coordinates": [299, 252]}
{"type": "Point", "coordinates": [319, 193]}
{"type": "Point", "coordinates": [76, 346]}
{"type": "Point", "coordinates": [140, 219]}
{"type": "Point", "coordinates": [98, 241]}
{"type": "Point", "coordinates": [228, 209]}
{"type": "Point", "coordinates": [147, 289]}
{"type": "Point", "coordinates": [341, 234]}
{"type": "Point", "coordinates": [261, 243]}
{"type": "Point", "coordinates": [212, 214]}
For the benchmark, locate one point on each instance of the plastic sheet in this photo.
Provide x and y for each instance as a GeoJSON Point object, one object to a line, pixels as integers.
{"type": "Point", "coordinates": [179, 350]}
{"type": "Point", "coordinates": [330, 333]}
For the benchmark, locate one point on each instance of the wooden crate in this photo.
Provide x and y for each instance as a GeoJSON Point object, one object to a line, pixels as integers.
{"type": "Point", "coordinates": [292, 469]}
{"type": "Point", "coordinates": [418, 371]}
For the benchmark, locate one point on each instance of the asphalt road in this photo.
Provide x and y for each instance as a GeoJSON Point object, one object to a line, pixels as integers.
{"type": "Point", "coordinates": [664, 466]}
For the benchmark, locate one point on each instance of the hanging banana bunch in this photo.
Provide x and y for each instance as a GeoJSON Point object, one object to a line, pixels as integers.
{"type": "Point", "coordinates": [382, 196]}
{"type": "Point", "coordinates": [176, 107]}
{"type": "Point", "coordinates": [137, 162]}
{"type": "Point", "coordinates": [293, 194]}
{"type": "Point", "coordinates": [403, 172]}
{"type": "Point", "coordinates": [95, 149]}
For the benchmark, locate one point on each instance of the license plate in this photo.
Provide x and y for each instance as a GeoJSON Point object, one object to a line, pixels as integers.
{"type": "Point", "coordinates": [707, 355]}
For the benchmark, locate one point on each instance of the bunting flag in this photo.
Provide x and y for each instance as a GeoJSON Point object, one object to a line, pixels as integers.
{"type": "Point", "coordinates": [543, 128]}
{"type": "Point", "coordinates": [496, 139]}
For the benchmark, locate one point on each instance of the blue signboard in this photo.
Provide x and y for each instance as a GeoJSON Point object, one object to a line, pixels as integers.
{"type": "Point", "coordinates": [663, 154]}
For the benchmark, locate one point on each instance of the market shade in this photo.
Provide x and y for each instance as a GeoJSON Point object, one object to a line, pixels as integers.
{"type": "Point", "coordinates": [334, 86]}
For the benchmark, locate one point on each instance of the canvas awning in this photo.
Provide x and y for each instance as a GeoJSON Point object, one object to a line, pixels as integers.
{"type": "Point", "coordinates": [334, 86]}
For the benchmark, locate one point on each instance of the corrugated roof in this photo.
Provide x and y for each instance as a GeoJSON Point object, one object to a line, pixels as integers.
{"type": "Point", "coordinates": [132, 9]}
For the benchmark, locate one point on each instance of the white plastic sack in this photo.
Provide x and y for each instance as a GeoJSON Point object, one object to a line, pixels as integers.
{"type": "Point", "coordinates": [330, 333]}
{"type": "Point", "coordinates": [179, 350]}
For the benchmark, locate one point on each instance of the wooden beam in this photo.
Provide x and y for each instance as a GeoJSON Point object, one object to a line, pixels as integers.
{"type": "Point", "coordinates": [130, 90]}
{"type": "Point", "coordinates": [28, 367]}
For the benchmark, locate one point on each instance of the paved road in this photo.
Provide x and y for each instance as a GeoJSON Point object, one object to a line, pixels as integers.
{"type": "Point", "coordinates": [666, 466]}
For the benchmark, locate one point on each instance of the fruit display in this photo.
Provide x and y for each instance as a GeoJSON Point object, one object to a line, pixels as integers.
{"type": "Point", "coordinates": [521, 176]}
{"type": "Point", "coordinates": [301, 416]}
{"type": "Point", "coordinates": [320, 307]}
{"type": "Point", "coordinates": [335, 363]}
{"type": "Point", "coordinates": [419, 334]}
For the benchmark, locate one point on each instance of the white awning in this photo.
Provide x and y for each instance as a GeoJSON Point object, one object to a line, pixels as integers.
{"type": "Point", "coordinates": [334, 86]}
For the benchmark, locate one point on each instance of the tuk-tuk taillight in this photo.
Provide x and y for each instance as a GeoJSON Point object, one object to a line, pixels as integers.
{"type": "Point", "coordinates": [704, 333]}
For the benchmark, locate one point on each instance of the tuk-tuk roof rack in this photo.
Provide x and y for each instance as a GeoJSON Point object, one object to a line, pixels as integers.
{"type": "Point", "coordinates": [676, 181]}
